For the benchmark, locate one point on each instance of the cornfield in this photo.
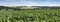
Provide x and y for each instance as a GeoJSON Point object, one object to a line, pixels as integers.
{"type": "Point", "coordinates": [49, 15]}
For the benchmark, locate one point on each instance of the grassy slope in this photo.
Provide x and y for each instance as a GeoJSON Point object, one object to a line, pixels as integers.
{"type": "Point", "coordinates": [52, 15]}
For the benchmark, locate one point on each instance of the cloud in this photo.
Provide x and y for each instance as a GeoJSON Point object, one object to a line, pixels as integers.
{"type": "Point", "coordinates": [25, 3]}
{"type": "Point", "coordinates": [28, 3]}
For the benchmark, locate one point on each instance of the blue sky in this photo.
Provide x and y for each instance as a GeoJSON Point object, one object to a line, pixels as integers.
{"type": "Point", "coordinates": [29, 2]}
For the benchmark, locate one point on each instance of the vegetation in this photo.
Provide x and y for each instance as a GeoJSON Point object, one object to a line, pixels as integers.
{"type": "Point", "coordinates": [42, 15]}
{"type": "Point", "coordinates": [52, 15]}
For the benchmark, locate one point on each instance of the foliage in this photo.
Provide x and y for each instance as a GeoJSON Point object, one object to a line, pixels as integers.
{"type": "Point", "coordinates": [51, 15]}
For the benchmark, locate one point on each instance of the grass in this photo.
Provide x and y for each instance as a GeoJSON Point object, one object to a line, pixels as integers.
{"type": "Point", "coordinates": [51, 15]}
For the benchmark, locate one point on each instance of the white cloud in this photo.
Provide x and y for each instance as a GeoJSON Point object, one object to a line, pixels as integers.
{"type": "Point", "coordinates": [30, 3]}
{"type": "Point", "coordinates": [43, 4]}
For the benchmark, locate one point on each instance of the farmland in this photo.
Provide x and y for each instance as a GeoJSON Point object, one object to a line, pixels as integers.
{"type": "Point", "coordinates": [42, 15]}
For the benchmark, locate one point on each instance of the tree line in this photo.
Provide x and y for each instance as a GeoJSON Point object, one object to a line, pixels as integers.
{"type": "Point", "coordinates": [20, 8]}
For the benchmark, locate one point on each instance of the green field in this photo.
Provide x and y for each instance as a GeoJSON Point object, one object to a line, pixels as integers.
{"type": "Point", "coordinates": [51, 15]}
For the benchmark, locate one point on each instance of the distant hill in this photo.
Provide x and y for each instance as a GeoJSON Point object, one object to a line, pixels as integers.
{"type": "Point", "coordinates": [26, 7]}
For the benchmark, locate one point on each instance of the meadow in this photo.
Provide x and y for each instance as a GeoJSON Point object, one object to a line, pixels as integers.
{"type": "Point", "coordinates": [43, 15]}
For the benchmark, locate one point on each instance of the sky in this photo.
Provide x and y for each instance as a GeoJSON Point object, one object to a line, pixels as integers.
{"type": "Point", "coordinates": [29, 2]}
